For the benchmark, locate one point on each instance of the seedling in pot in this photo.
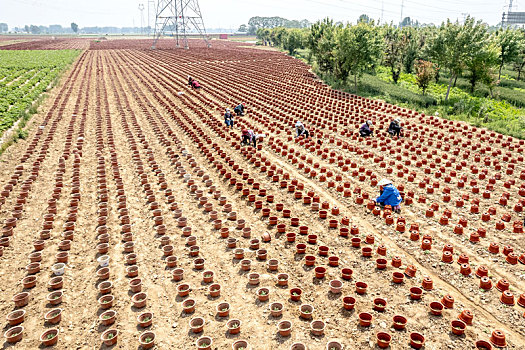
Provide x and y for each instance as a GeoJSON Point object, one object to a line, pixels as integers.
{"type": "Point", "coordinates": [148, 340]}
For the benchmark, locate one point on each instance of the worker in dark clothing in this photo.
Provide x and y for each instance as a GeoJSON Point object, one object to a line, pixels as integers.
{"type": "Point", "coordinates": [190, 81]}
{"type": "Point", "coordinates": [228, 118]}
{"type": "Point", "coordinates": [395, 127]}
{"type": "Point", "coordinates": [365, 129]}
{"type": "Point", "coordinates": [301, 130]}
{"type": "Point", "coordinates": [239, 110]}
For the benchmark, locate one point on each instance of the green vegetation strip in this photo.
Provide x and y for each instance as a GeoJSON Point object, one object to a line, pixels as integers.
{"type": "Point", "coordinates": [24, 76]}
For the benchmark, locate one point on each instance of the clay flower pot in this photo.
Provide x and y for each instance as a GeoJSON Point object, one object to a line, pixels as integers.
{"type": "Point", "coordinates": [21, 299]}
{"type": "Point", "coordinates": [29, 282]}
{"type": "Point", "coordinates": [54, 316]}
{"type": "Point", "coordinates": [295, 294]}
{"type": "Point", "coordinates": [398, 277]}
{"type": "Point", "coordinates": [16, 317]}
{"type": "Point", "coordinates": [361, 287]}
{"type": "Point", "coordinates": [436, 308]}
{"type": "Point", "coordinates": [300, 248]}
{"type": "Point", "coordinates": [346, 274]}
{"type": "Point", "coordinates": [109, 337]}
{"type": "Point", "coordinates": [263, 294]}
{"type": "Point", "coordinates": [448, 301]}
{"type": "Point", "coordinates": [399, 322]}
{"type": "Point", "coordinates": [285, 328]}
{"type": "Point", "coordinates": [336, 286]}
{"type": "Point", "coordinates": [317, 327]}
{"type": "Point", "coordinates": [139, 299]}
{"type": "Point", "coordinates": [483, 345]}
{"type": "Point", "coordinates": [254, 279]}
{"type": "Point", "coordinates": [214, 290]}
{"type": "Point", "coordinates": [197, 324]}
{"type": "Point", "coordinates": [416, 293]}
{"type": "Point", "coordinates": [135, 285]}
{"type": "Point", "coordinates": [204, 343]}
{"type": "Point", "coordinates": [223, 309]}
{"type": "Point", "coordinates": [383, 340]}
{"type": "Point", "coordinates": [379, 304]}
{"type": "Point", "coordinates": [507, 298]}
{"type": "Point", "coordinates": [466, 316]}
{"type": "Point", "coordinates": [498, 339]}
{"type": "Point", "coordinates": [276, 309]}
{"type": "Point", "coordinates": [306, 311]}
{"type": "Point", "coordinates": [458, 327]}
{"type": "Point", "coordinates": [334, 345]}
{"type": "Point", "coordinates": [417, 340]}
{"type": "Point", "coordinates": [147, 339]}
{"type": "Point", "coordinates": [106, 301]}
{"type": "Point", "coordinates": [14, 334]}
{"type": "Point", "coordinates": [207, 276]}
{"type": "Point", "coordinates": [240, 344]}
{"type": "Point", "coordinates": [320, 272]}
{"type": "Point", "coordinates": [49, 337]}
{"type": "Point", "coordinates": [410, 271]}
{"type": "Point", "coordinates": [105, 287]}
{"type": "Point", "coordinates": [145, 319]}
{"type": "Point", "coordinates": [234, 326]}
{"type": "Point", "coordinates": [107, 318]}
{"type": "Point", "coordinates": [365, 319]}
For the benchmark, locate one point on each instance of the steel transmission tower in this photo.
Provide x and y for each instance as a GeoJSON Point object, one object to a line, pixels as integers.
{"type": "Point", "coordinates": [178, 17]}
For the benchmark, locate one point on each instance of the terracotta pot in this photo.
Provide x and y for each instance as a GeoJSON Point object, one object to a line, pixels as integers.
{"type": "Point", "coordinates": [109, 337]}
{"type": "Point", "coordinates": [317, 327]}
{"type": "Point", "coordinates": [223, 309]}
{"type": "Point", "coordinates": [410, 271]}
{"type": "Point", "coordinates": [336, 286]}
{"type": "Point", "coordinates": [14, 334]}
{"type": "Point", "coordinates": [436, 308]}
{"type": "Point", "coordinates": [399, 322]}
{"type": "Point", "coordinates": [276, 309]}
{"type": "Point", "coordinates": [383, 340]}
{"type": "Point", "coordinates": [379, 304]}
{"type": "Point", "coordinates": [498, 339]}
{"type": "Point", "coordinates": [397, 277]}
{"type": "Point", "coordinates": [295, 294]}
{"type": "Point", "coordinates": [417, 340]}
{"type": "Point", "coordinates": [365, 319]}
{"type": "Point", "coordinates": [483, 345]}
{"type": "Point", "coordinates": [29, 282]}
{"type": "Point", "coordinates": [107, 318]}
{"type": "Point", "coordinates": [139, 299]}
{"type": "Point", "coordinates": [263, 294]}
{"type": "Point", "coordinates": [21, 299]}
{"type": "Point", "coordinates": [507, 298]}
{"type": "Point", "coordinates": [285, 328]}
{"type": "Point", "coordinates": [16, 317]}
{"type": "Point", "coordinates": [448, 301]}
{"type": "Point", "coordinates": [234, 326]}
{"type": "Point", "coordinates": [282, 279]}
{"type": "Point", "coordinates": [360, 287]}
{"type": "Point", "coordinates": [334, 345]}
{"type": "Point", "coordinates": [145, 319]}
{"type": "Point", "coordinates": [106, 301]}
{"type": "Point", "coordinates": [147, 340]}
{"type": "Point", "coordinates": [49, 337]}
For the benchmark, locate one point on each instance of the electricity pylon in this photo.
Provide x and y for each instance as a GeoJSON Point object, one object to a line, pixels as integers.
{"type": "Point", "coordinates": [179, 17]}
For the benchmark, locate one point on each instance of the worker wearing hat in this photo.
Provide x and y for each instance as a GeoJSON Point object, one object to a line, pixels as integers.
{"type": "Point", "coordinates": [248, 136]}
{"type": "Point", "coordinates": [394, 129]}
{"type": "Point", "coordinates": [366, 129]}
{"type": "Point", "coordinates": [389, 195]}
{"type": "Point", "coordinates": [228, 118]}
{"type": "Point", "coordinates": [301, 130]}
{"type": "Point", "coordinates": [239, 110]}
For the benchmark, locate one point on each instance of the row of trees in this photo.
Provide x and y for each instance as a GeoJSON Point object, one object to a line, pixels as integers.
{"type": "Point", "coordinates": [258, 22]}
{"type": "Point", "coordinates": [468, 49]}
{"type": "Point", "coordinates": [52, 29]}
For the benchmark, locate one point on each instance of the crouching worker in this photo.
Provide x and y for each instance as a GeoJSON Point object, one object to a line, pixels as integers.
{"type": "Point", "coordinates": [389, 195]}
{"type": "Point", "coordinates": [195, 84]}
{"type": "Point", "coordinates": [301, 130]}
{"type": "Point", "coordinates": [394, 129]}
{"type": "Point", "coordinates": [239, 110]}
{"type": "Point", "coordinates": [365, 129]}
{"type": "Point", "coordinates": [190, 81]}
{"type": "Point", "coordinates": [228, 118]}
{"type": "Point", "coordinates": [248, 136]}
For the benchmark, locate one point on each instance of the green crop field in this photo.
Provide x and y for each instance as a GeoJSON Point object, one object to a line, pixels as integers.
{"type": "Point", "coordinates": [24, 76]}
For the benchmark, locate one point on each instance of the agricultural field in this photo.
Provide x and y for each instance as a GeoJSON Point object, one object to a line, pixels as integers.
{"type": "Point", "coordinates": [24, 76]}
{"type": "Point", "coordinates": [133, 218]}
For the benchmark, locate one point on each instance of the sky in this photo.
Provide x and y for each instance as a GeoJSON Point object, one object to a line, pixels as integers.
{"type": "Point", "coordinates": [232, 13]}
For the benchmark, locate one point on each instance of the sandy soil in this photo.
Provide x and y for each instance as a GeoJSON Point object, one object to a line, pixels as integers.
{"type": "Point", "coordinates": [132, 127]}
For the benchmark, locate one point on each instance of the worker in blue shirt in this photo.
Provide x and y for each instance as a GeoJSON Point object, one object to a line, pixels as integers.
{"type": "Point", "coordinates": [389, 195]}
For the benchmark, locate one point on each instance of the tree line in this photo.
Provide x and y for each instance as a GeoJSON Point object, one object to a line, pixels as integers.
{"type": "Point", "coordinates": [469, 49]}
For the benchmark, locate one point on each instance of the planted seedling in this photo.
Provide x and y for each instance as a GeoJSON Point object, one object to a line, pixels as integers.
{"type": "Point", "coordinates": [111, 335]}
{"type": "Point", "coordinates": [106, 317]}
{"type": "Point", "coordinates": [148, 340]}
{"type": "Point", "coordinates": [146, 319]}
{"type": "Point", "coordinates": [224, 309]}
{"type": "Point", "coordinates": [295, 294]}
{"type": "Point", "coordinates": [276, 308]}
{"type": "Point", "coordinates": [208, 275]}
{"type": "Point", "coordinates": [204, 345]}
{"type": "Point", "coordinates": [263, 292]}
{"type": "Point", "coordinates": [51, 336]}
{"type": "Point", "coordinates": [105, 301]}
{"type": "Point", "coordinates": [307, 311]}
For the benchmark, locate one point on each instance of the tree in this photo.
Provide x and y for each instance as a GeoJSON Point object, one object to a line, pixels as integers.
{"type": "Point", "coordinates": [459, 43]}
{"type": "Point", "coordinates": [415, 40]}
{"type": "Point", "coordinates": [4, 27]}
{"type": "Point", "coordinates": [321, 42]}
{"type": "Point", "coordinates": [364, 18]}
{"type": "Point", "coordinates": [74, 27]}
{"type": "Point", "coordinates": [510, 43]}
{"type": "Point", "coordinates": [264, 35]}
{"type": "Point", "coordinates": [358, 49]}
{"type": "Point", "coordinates": [34, 29]}
{"type": "Point", "coordinates": [278, 36]}
{"type": "Point", "coordinates": [425, 72]}
{"type": "Point", "coordinates": [482, 63]}
{"type": "Point", "coordinates": [395, 49]}
{"type": "Point", "coordinates": [243, 28]}
{"type": "Point", "coordinates": [294, 40]}
{"type": "Point", "coordinates": [406, 22]}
